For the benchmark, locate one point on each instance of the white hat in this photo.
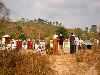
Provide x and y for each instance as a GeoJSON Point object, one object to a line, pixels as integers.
{"type": "Point", "coordinates": [73, 35]}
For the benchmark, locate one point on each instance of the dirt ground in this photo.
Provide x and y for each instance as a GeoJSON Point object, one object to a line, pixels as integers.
{"type": "Point", "coordinates": [85, 62]}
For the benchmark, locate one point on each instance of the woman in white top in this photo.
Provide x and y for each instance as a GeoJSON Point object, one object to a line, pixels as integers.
{"type": "Point", "coordinates": [77, 43]}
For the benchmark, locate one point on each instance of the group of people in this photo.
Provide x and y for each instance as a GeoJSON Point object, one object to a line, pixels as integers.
{"type": "Point", "coordinates": [74, 44]}
{"type": "Point", "coordinates": [58, 40]}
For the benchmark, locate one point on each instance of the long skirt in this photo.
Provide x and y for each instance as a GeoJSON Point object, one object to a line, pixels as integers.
{"type": "Point", "coordinates": [55, 47]}
{"type": "Point", "coordinates": [72, 49]}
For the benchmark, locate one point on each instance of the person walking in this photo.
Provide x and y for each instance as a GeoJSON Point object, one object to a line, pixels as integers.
{"type": "Point", "coordinates": [61, 39]}
{"type": "Point", "coordinates": [72, 43]}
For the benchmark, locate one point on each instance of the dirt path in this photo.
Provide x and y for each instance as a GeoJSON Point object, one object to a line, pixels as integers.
{"type": "Point", "coordinates": [68, 65]}
{"type": "Point", "coordinates": [92, 71]}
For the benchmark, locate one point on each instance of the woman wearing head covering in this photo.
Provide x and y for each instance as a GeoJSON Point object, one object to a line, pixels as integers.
{"type": "Point", "coordinates": [55, 44]}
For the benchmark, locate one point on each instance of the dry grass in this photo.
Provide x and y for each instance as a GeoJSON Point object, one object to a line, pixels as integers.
{"type": "Point", "coordinates": [90, 57]}
{"type": "Point", "coordinates": [19, 63]}
{"type": "Point", "coordinates": [15, 63]}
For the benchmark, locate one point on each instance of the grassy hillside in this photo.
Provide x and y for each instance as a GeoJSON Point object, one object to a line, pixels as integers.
{"type": "Point", "coordinates": [31, 29]}
{"type": "Point", "coordinates": [34, 29]}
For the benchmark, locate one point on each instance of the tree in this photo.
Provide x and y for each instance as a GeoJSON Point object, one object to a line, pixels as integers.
{"type": "Point", "coordinates": [41, 21]}
{"type": "Point", "coordinates": [19, 26]}
{"type": "Point", "coordinates": [86, 29]}
{"type": "Point", "coordinates": [94, 28]}
{"type": "Point", "coordinates": [2, 33]}
{"type": "Point", "coordinates": [60, 24]}
{"type": "Point", "coordinates": [32, 35]}
{"type": "Point", "coordinates": [53, 23]}
{"type": "Point", "coordinates": [57, 23]}
{"type": "Point", "coordinates": [22, 36]}
{"type": "Point", "coordinates": [50, 23]}
{"type": "Point", "coordinates": [14, 35]}
{"type": "Point", "coordinates": [78, 32]}
{"type": "Point", "coordinates": [62, 30]}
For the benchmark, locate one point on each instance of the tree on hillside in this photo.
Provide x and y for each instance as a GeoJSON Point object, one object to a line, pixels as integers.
{"type": "Point", "coordinates": [57, 23]}
{"type": "Point", "coordinates": [94, 28]}
{"type": "Point", "coordinates": [78, 32]}
{"type": "Point", "coordinates": [14, 35]}
{"type": "Point", "coordinates": [60, 24]}
{"type": "Point", "coordinates": [2, 33]}
{"type": "Point", "coordinates": [53, 23]}
{"type": "Point", "coordinates": [50, 23]}
{"type": "Point", "coordinates": [19, 26]}
{"type": "Point", "coordinates": [41, 21]}
{"type": "Point", "coordinates": [62, 30]}
{"type": "Point", "coordinates": [32, 35]}
{"type": "Point", "coordinates": [86, 29]}
{"type": "Point", "coordinates": [22, 36]}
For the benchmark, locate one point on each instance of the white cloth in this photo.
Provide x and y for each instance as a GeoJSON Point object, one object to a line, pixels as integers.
{"type": "Point", "coordinates": [76, 40]}
{"type": "Point", "coordinates": [81, 42]}
{"type": "Point", "coordinates": [24, 45]}
{"type": "Point", "coordinates": [97, 41]}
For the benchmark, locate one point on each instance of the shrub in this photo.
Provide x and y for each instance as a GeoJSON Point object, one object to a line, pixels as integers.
{"type": "Point", "coordinates": [18, 63]}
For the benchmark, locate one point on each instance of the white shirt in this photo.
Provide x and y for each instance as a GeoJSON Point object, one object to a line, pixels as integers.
{"type": "Point", "coordinates": [76, 40]}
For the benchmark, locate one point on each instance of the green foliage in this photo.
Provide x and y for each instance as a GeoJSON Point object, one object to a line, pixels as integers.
{"type": "Point", "coordinates": [32, 35]}
{"type": "Point", "coordinates": [78, 32]}
{"type": "Point", "coordinates": [22, 36]}
{"type": "Point", "coordinates": [46, 29]}
{"type": "Point", "coordinates": [2, 33]}
{"type": "Point", "coordinates": [93, 28]}
{"type": "Point", "coordinates": [19, 28]}
{"type": "Point", "coordinates": [19, 25]}
{"type": "Point", "coordinates": [13, 35]}
{"type": "Point", "coordinates": [62, 30]}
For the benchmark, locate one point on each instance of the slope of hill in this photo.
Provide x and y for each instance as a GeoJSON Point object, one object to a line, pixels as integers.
{"type": "Point", "coordinates": [31, 29]}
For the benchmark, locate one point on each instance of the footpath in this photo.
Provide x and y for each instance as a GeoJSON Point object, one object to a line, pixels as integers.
{"type": "Point", "coordinates": [69, 65]}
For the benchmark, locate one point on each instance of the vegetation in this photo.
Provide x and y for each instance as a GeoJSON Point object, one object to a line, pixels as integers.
{"type": "Point", "coordinates": [62, 30]}
{"type": "Point", "coordinates": [22, 36]}
{"type": "Point", "coordinates": [16, 63]}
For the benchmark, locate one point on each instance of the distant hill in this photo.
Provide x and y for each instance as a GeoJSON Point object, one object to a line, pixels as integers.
{"type": "Point", "coordinates": [31, 29]}
{"type": "Point", "coordinates": [41, 29]}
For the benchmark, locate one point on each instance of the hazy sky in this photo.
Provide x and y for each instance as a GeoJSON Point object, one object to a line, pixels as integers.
{"type": "Point", "coordinates": [71, 12]}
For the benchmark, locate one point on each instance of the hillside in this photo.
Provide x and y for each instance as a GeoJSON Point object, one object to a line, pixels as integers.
{"type": "Point", "coordinates": [31, 29]}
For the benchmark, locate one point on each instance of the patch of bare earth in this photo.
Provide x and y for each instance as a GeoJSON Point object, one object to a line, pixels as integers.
{"type": "Point", "coordinates": [26, 62]}
{"type": "Point", "coordinates": [83, 63]}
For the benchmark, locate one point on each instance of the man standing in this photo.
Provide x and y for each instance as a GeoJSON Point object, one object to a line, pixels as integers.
{"type": "Point", "coordinates": [72, 43]}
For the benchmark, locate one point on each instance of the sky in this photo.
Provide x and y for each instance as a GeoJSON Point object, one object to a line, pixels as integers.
{"type": "Point", "coordinates": [72, 13]}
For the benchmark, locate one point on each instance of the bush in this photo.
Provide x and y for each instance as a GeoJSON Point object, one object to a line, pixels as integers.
{"type": "Point", "coordinates": [17, 63]}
